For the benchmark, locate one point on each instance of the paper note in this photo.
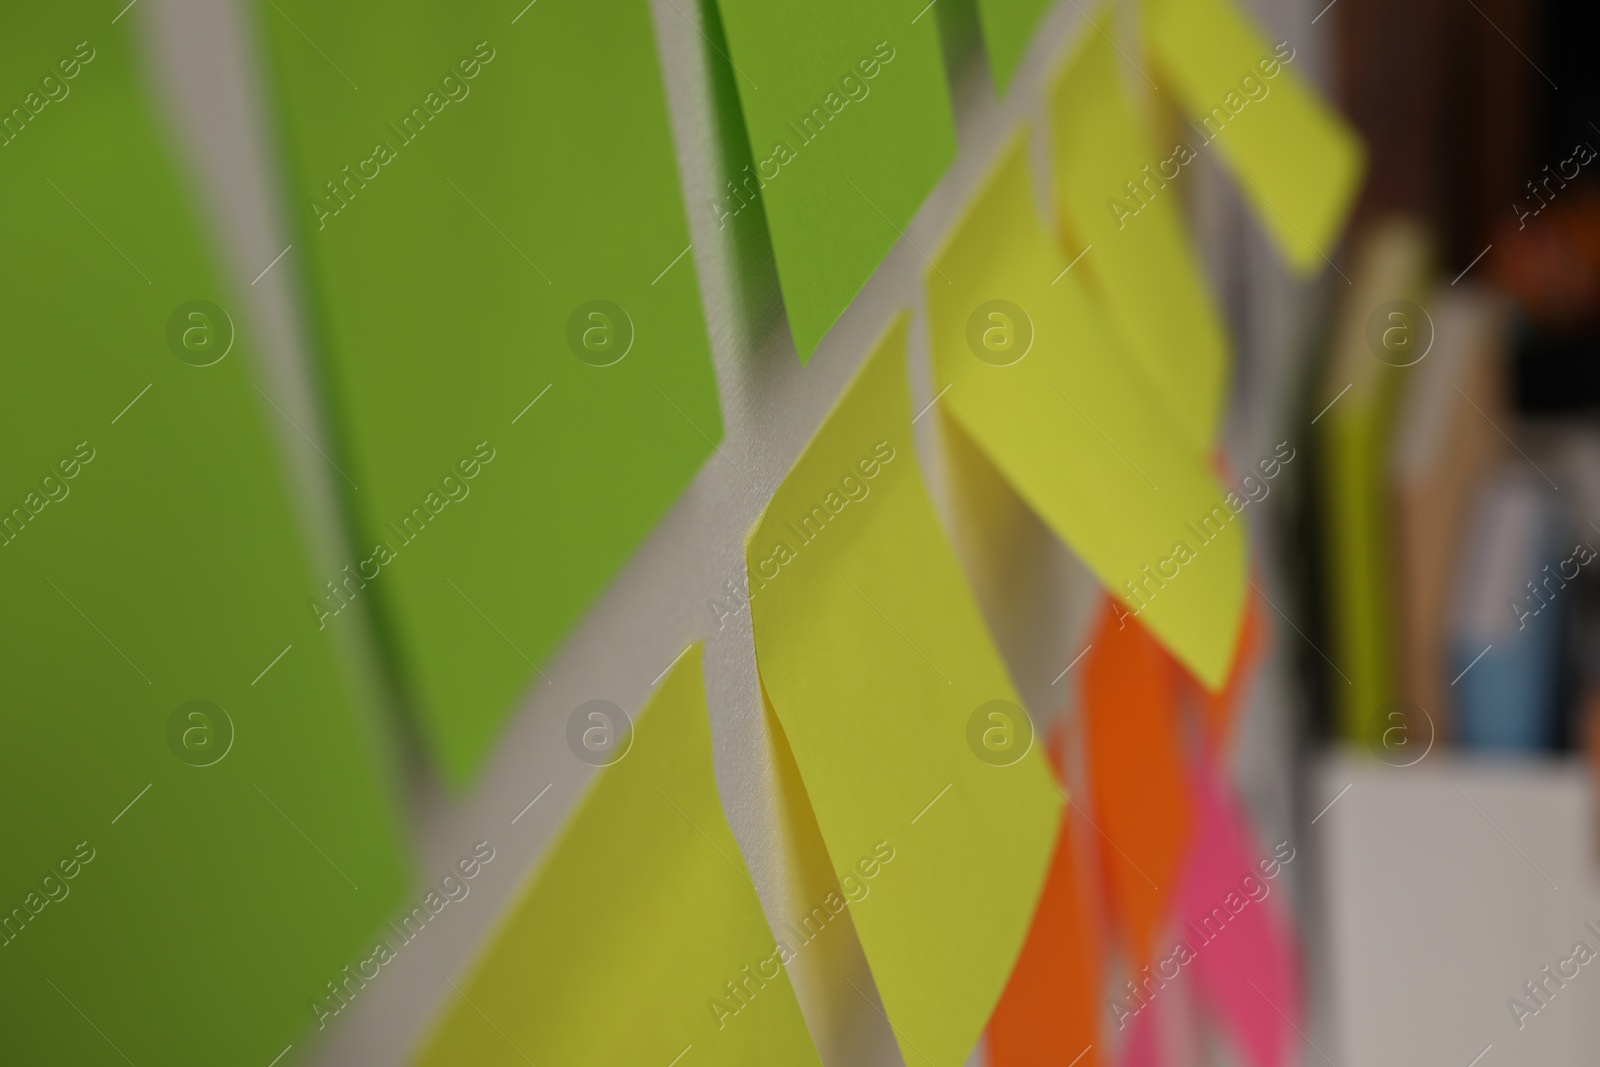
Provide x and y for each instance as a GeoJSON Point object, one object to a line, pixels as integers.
{"type": "Point", "coordinates": [848, 117]}
{"type": "Point", "coordinates": [1220, 710]}
{"type": "Point", "coordinates": [199, 836]}
{"type": "Point", "coordinates": [928, 785]}
{"type": "Point", "coordinates": [1008, 27]}
{"type": "Point", "coordinates": [509, 321]}
{"type": "Point", "coordinates": [1234, 933]}
{"type": "Point", "coordinates": [1299, 163]}
{"type": "Point", "coordinates": [1037, 381]}
{"type": "Point", "coordinates": [641, 938]}
{"type": "Point", "coordinates": [1116, 195]}
{"type": "Point", "coordinates": [1142, 1047]}
{"type": "Point", "coordinates": [1050, 1012]}
{"type": "Point", "coordinates": [1137, 783]}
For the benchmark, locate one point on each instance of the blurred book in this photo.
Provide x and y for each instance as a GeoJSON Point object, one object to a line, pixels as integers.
{"type": "Point", "coordinates": [1379, 336]}
{"type": "Point", "coordinates": [1445, 444]}
{"type": "Point", "coordinates": [1506, 643]}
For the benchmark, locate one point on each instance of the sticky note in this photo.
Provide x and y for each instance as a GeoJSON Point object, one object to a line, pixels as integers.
{"type": "Point", "coordinates": [1116, 196]}
{"type": "Point", "coordinates": [1050, 1012]}
{"type": "Point", "coordinates": [1008, 26]}
{"type": "Point", "coordinates": [928, 785]}
{"type": "Point", "coordinates": [1137, 781]}
{"type": "Point", "coordinates": [1299, 163]}
{"type": "Point", "coordinates": [487, 206]}
{"type": "Point", "coordinates": [1142, 1047]}
{"type": "Point", "coordinates": [848, 117]}
{"type": "Point", "coordinates": [1219, 711]}
{"type": "Point", "coordinates": [1234, 933]}
{"type": "Point", "coordinates": [1038, 381]}
{"type": "Point", "coordinates": [200, 834]}
{"type": "Point", "coordinates": [640, 938]}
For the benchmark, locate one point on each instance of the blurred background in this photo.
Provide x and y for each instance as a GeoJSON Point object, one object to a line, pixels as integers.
{"type": "Point", "coordinates": [1445, 542]}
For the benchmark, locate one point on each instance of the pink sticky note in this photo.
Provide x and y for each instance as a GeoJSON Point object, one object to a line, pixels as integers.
{"type": "Point", "coordinates": [1241, 949]}
{"type": "Point", "coordinates": [1143, 1045]}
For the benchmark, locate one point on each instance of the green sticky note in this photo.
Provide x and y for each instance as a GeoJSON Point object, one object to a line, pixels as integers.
{"type": "Point", "coordinates": [1300, 163]}
{"type": "Point", "coordinates": [848, 116]}
{"type": "Point", "coordinates": [930, 789]}
{"type": "Point", "coordinates": [1008, 26]}
{"type": "Point", "coordinates": [509, 321]}
{"type": "Point", "coordinates": [642, 939]}
{"type": "Point", "coordinates": [200, 837]}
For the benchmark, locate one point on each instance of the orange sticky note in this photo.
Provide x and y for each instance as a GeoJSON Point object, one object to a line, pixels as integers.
{"type": "Point", "coordinates": [1136, 775]}
{"type": "Point", "coordinates": [1219, 710]}
{"type": "Point", "coordinates": [1049, 1011]}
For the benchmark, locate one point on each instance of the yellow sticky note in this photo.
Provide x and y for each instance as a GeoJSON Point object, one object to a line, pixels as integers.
{"type": "Point", "coordinates": [1116, 197]}
{"type": "Point", "coordinates": [1039, 383]}
{"type": "Point", "coordinates": [642, 938]}
{"type": "Point", "coordinates": [1299, 161]}
{"type": "Point", "coordinates": [931, 792]}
